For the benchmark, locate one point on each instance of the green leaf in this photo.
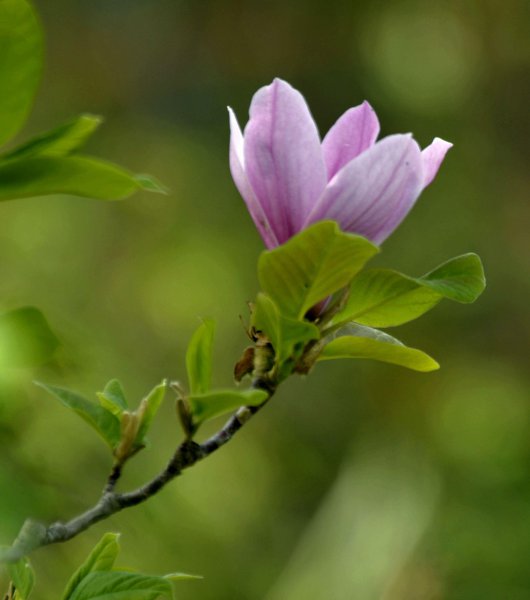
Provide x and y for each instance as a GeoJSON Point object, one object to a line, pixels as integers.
{"type": "Point", "coordinates": [113, 398]}
{"type": "Point", "coordinates": [285, 334]}
{"type": "Point", "coordinates": [216, 403]}
{"type": "Point", "coordinates": [148, 409]}
{"type": "Point", "coordinates": [20, 64]}
{"type": "Point", "coordinates": [385, 298]}
{"type": "Point", "coordinates": [102, 558]}
{"type": "Point", "coordinates": [22, 576]}
{"type": "Point", "coordinates": [26, 339]}
{"type": "Point", "coordinates": [266, 319]}
{"type": "Point", "coordinates": [311, 266]}
{"type": "Point", "coordinates": [76, 175]}
{"type": "Point", "coordinates": [103, 421]}
{"type": "Point", "coordinates": [199, 357]}
{"type": "Point", "coordinates": [121, 585]}
{"type": "Point", "coordinates": [461, 278]}
{"type": "Point", "coordinates": [59, 141]}
{"type": "Point", "coordinates": [365, 342]}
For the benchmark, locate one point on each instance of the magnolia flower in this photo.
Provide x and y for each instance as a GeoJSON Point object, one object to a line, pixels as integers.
{"type": "Point", "coordinates": [289, 179]}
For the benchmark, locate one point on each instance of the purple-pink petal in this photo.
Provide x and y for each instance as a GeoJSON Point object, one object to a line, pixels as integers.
{"type": "Point", "coordinates": [432, 157]}
{"type": "Point", "coordinates": [240, 178]}
{"type": "Point", "coordinates": [283, 157]}
{"type": "Point", "coordinates": [373, 193]}
{"type": "Point", "coordinates": [354, 132]}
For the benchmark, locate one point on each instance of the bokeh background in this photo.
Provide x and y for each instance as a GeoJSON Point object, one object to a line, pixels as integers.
{"type": "Point", "coordinates": [363, 481]}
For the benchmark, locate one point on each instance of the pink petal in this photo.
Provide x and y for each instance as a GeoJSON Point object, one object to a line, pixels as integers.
{"type": "Point", "coordinates": [240, 178]}
{"type": "Point", "coordinates": [432, 157]}
{"type": "Point", "coordinates": [352, 134]}
{"type": "Point", "coordinates": [283, 157]}
{"type": "Point", "coordinates": [373, 193]}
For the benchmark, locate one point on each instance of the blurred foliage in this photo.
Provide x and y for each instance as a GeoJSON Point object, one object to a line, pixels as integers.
{"type": "Point", "coordinates": [390, 484]}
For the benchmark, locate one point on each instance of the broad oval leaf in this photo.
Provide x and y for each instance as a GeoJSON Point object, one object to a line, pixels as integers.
{"type": "Point", "coordinates": [377, 345]}
{"type": "Point", "coordinates": [59, 141]}
{"type": "Point", "coordinates": [311, 266]}
{"type": "Point", "coordinates": [22, 576]}
{"type": "Point", "coordinates": [461, 278]}
{"type": "Point", "coordinates": [113, 398]}
{"type": "Point", "coordinates": [75, 175]}
{"type": "Point", "coordinates": [121, 585]}
{"type": "Point", "coordinates": [103, 421]}
{"type": "Point", "coordinates": [102, 558]}
{"type": "Point", "coordinates": [26, 339]}
{"type": "Point", "coordinates": [385, 298]}
{"type": "Point", "coordinates": [199, 357]}
{"type": "Point", "coordinates": [21, 49]}
{"type": "Point", "coordinates": [218, 402]}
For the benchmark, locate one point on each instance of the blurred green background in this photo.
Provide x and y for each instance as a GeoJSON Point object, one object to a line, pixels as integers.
{"type": "Point", "coordinates": [363, 481]}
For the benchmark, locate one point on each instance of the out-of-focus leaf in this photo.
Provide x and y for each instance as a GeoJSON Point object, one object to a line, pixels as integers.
{"type": "Point", "coordinates": [102, 420]}
{"type": "Point", "coordinates": [121, 585]}
{"type": "Point", "coordinates": [76, 175]}
{"type": "Point", "coordinates": [312, 265]}
{"type": "Point", "coordinates": [365, 342]}
{"type": "Point", "coordinates": [218, 402]}
{"type": "Point", "coordinates": [148, 409]}
{"type": "Point", "coordinates": [385, 298]}
{"type": "Point", "coordinates": [59, 141]}
{"type": "Point", "coordinates": [20, 64]}
{"type": "Point", "coordinates": [102, 558]}
{"type": "Point", "coordinates": [199, 357]}
{"type": "Point", "coordinates": [150, 183]}
{"type": "Point", "coordinates": [113, 398]}
{"type": "Point", "coordinates": [26, 339]}
{"type": "Point", "coordinates": [22, 576]}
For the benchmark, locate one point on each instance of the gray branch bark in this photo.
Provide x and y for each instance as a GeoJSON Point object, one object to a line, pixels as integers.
{"type": "Point", "coordinates": [34, 535]}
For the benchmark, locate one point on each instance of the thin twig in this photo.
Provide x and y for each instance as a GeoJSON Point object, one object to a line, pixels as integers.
{"type": "Point", "coordinates": [34, 535]}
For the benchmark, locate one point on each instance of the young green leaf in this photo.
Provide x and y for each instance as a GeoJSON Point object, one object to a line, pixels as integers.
{"type": "Point", "coordinates": [312, 265]}
{"type": "Point", "coordinates": [102, 558]}
{"type": "Point", "coordinates": [266, 319]}
{"type": "Point", "coordinates": [22, 576]}
{"type": "Point", "coordinates": [365, 342]}
{"type": "Point", "coordinates": [26, 339]}
{"type": "Point", "coordinates": [103, 421]}
{"type": "Point", "coordinates": [214, 404]}
{"type": "Point", "coordinates": [113, 398]}
{"type": "Point", "coordinates": [148, 409]}
{"type": "Point", "coordinates": [284, 334]}
{"type": "Point", "coordinates": [385, 298]}
{"type": "Point", "coordinates": [60, 141]}
{"type": "Point", "coordinates": [121, 585]}
{"type": "Point", "coordinates": [20, 64]}
{"type": "Point", "coordinates": [199, 357]}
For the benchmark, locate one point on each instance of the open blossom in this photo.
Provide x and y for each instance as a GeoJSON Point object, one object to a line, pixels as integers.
{"type": "Point", "coordinates": [289, 179]}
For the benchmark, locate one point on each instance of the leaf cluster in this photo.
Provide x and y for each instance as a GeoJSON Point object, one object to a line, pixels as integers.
{"type": "Point", "coordinates": [97, 578]}
{"type": "Point", "coordinates": [319, 303]}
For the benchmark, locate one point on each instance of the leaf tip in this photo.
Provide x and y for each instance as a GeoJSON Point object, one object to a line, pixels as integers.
{"type": "Point", "coordinates": [151, 184]}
